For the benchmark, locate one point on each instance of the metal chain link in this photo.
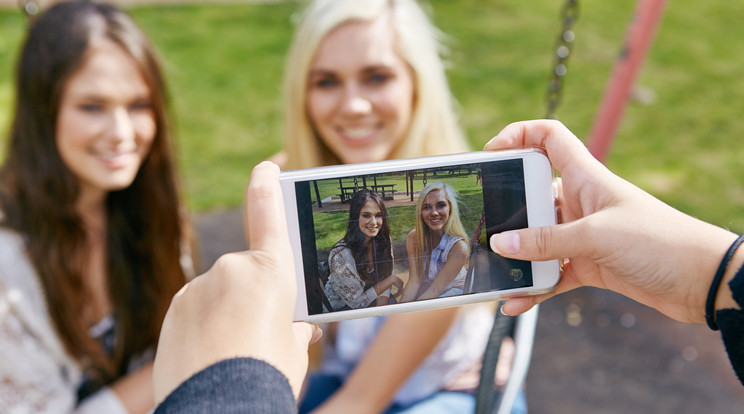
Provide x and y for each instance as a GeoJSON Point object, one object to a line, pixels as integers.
{"type": "Point", "coordinates": [563, 46]}
{"type": "Point", "coordinates": [30, 8]}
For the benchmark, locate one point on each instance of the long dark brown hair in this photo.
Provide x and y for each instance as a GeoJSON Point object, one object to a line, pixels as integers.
{"type": "Point", "coordinates": [356, 241]}
{"type": "Point", "coordinates": [145, 224]}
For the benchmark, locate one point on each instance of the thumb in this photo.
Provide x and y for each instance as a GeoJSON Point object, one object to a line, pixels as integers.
{"type": "Point", "coordinates": [538, 243]}
{"type": "Point", "coordinates": [307, 333]}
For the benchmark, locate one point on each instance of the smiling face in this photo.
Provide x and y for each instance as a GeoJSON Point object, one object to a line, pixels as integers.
{"type": "Point", "coordinates": [106, 124]}
{"type": "Point", "coordinates": [370, 219]}
{"type": "Point", "coordinates": [360, 91]}
{"type": "Point", "coordinates": [435, 210]}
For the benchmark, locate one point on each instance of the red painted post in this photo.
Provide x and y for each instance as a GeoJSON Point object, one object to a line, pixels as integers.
{"type": "Point", "coordinates": [638, 39]}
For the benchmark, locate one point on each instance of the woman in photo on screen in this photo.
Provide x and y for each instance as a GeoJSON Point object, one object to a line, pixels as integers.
{"type": "Point", "coordinates": [437, 248]}
{"type": "Point", "coordinates": [93, 239]}
{"type": "Point", "coordinates": [364, 81]}
{"type": "Point", "coordinates": [361, 264]}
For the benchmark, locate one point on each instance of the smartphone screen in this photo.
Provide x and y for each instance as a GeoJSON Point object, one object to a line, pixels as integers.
{"type": "Point", "coordinates": [427, 227]}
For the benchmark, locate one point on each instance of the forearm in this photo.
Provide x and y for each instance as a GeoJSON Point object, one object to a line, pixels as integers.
{"type": "Point", "coordinates": [400, 346]}
{"type": "Point", "coordinates": [384, 285]}
{"type": "Point", "coordinates": [135, 390]}
{"type": "Point", "coordinates": [438, 286]}
{"type": "Point", "coordinates": [410, 289]}
{"type": "Point", "coordinates": [701, 248]}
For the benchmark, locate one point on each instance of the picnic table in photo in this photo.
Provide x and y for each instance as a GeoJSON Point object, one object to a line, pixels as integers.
{"type": "Point", "coordinates": [386, 191]}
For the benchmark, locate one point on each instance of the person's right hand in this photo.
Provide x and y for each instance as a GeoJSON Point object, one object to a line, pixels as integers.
{"type": "Point", "coordinates": [244, 305]}
{"type": "Point", "coordinates": [615, 235]}
{"type": "Point", "coordinates": [397, 282]}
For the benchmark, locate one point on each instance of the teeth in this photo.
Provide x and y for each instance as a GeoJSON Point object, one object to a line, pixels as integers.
{"type": "Point", "coordinates": [357, 133]}
{"type": "Point", "coordinates": [111, 154]}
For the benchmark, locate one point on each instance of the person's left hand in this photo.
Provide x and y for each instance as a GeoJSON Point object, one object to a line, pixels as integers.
{"type": "Point", "coordinates": [243, 306]}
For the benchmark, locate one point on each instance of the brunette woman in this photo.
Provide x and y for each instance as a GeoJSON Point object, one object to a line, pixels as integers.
{"type": "Point", "coordinates": [362, 262]}
{"type": "Point", "coordinates": [93, 242]}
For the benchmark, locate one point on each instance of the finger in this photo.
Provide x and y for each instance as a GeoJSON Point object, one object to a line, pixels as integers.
{"type": "Point", "coordinates": [307, 333]}
{"type": "Point", "coordinates": [266, 227]}
{"type": "Point", "coordinates": [541, 243]}
{"type": "Point", "coordinates": [563, 147]}
{"type": "Point", "coordinates": [558, 199]}
{"type": "Point", "coordinates": [519, 305]}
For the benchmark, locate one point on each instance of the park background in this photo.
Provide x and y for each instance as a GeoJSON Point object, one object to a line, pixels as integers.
{"type": "Point", "coordinates": [680, 139]}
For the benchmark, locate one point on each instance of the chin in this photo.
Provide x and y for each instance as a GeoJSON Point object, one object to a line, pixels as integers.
{"type": "Point", "coordinates": [117, 185]}
{"type": "Point", "coordinates": [364, 155]}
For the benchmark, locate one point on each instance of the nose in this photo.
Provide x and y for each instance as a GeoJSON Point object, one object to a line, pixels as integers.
{"type": "Point", "coordinates": [122, 128]}
{"type": "Point", "coordinates": [354, 101]}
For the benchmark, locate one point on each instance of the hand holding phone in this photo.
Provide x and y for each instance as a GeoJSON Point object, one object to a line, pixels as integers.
{"type": "Point", "coordinates": [405, 235]}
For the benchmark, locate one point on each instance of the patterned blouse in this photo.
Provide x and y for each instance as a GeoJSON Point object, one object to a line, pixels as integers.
{"type": "Point", "coordinates": [345, 288]}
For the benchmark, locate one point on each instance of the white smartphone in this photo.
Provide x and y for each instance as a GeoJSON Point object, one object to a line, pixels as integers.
{"type": "Point", "coordinates": [407, 235]}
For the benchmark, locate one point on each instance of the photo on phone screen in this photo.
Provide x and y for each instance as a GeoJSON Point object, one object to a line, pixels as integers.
{"type": "Point", "coordinates": [414, 235]}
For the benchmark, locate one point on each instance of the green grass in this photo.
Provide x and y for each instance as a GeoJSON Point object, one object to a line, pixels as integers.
{"type": "Point", "coordinates": [225, 62]}
{"type": "Point", "coordinates": [330, 226]}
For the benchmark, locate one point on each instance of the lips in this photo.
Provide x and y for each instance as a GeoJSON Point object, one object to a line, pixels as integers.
{"type": "Point", "coordinates": [358, 136]}
{"type": "Point", "coordinates": [357, 133]}
{"type": "Point", "coordinates": [116, 159]}
{"type": "Point", "coordinates": [435, 222]}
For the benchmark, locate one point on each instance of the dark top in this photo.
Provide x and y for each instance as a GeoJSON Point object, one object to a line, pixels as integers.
{"type": "Point", "coordinates": [731, 322]}
{"type": "Point", "coordinates": [238, 385]}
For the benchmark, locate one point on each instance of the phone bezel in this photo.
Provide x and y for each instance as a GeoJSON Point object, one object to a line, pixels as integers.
{"type": "Point", "coordinates": [540, 206]}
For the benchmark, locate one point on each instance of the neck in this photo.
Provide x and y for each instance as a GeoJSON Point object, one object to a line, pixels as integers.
{"type": "Point", "coordinates": [435, 236]}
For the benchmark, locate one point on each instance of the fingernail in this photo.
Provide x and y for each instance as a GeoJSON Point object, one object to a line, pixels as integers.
{"type": "Point", "coordinates": [506, 243]}
{"type": "Point", "coordinates": [317, 334]}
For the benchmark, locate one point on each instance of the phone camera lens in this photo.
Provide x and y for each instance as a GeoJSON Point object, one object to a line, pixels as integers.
{"type": "Point", "coordinates": [516, 274]}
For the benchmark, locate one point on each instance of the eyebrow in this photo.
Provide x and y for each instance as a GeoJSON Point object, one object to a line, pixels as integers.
{"type": "Point", "coordinates": [102, 97]}
{"type": "Point", "coordinates": [321, 72]}
{"type": "Point", "coordinates": [365, 70]}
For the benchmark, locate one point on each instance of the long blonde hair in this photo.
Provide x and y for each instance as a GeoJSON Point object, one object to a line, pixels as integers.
{"type": "Point", "coordinates": [452, 227]}
{"type": "Point", "coordinates": [434, 129]}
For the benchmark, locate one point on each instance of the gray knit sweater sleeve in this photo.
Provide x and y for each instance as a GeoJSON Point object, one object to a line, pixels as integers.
{"type": "Point", "coordinates": [238, 385]}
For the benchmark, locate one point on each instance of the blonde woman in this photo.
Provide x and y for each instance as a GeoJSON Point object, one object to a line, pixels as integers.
{"type": "Point", "coordinates": [364, 82]}
{"type": "Point", "coordinates": [404, 108]}
{"type": "Point", "coordinates": [437, 248]}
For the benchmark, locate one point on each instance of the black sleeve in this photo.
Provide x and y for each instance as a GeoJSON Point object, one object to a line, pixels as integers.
{"type": "Point", "coordinates": [238, 385]}
{"type": "Point", "coordinates": [731, 322]}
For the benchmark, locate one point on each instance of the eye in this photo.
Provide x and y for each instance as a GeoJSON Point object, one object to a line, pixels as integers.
{"type": "Point", "coordinates": [378, 78]}
{"type": "Point", "coordinates": [143, 105]}
{"type": "Point", "coordinates": [90, 107]}
{"type": "Point", "coordinates": [325, 82]}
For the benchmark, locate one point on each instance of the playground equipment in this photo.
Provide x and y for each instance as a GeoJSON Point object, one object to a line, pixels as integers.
{"type": "Point", "coordinates": [639, 36]}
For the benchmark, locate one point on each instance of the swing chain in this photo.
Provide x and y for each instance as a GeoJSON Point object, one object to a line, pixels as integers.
{"type": "Point", "coordinates": [563, 46]}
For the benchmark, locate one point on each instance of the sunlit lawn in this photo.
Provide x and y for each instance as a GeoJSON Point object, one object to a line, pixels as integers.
{"type": "Point", "coordinates": [225, 63]}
